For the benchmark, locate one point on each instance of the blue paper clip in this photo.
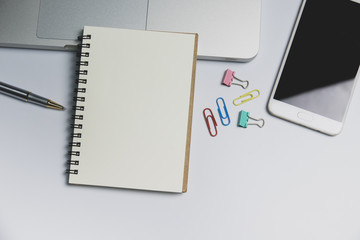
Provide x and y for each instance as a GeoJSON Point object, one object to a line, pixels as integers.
{"type": "Point", "coordinates": [211, 116]}
{"type": "Point", "coordinates": [244, 118]}
{"type": "Point", "coordinates": [222, 118]}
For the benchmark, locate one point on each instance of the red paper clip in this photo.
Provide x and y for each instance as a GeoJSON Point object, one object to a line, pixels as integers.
{"type": "Point", "coordinates": [213, 121]}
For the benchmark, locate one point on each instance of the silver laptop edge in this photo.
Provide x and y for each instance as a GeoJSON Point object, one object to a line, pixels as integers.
{"type": "Point", "coordinates": [228, 30]}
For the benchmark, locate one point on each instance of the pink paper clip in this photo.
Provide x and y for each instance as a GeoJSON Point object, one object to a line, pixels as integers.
{"type": "Point", "coordinates": [229, 77]}
{"type": "Point", "coordinates": [211, 116]}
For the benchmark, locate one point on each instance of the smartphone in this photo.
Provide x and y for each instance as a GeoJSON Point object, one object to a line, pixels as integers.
{"type": "Point", "coordinates": [320, 67]}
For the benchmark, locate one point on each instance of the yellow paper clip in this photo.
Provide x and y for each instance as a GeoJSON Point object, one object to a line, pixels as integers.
{"type": "Point", "coordinates": [249, 96]}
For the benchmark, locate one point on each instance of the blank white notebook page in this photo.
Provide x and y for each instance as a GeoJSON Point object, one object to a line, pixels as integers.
{"type": "Point", "coordinates": [137, 114]}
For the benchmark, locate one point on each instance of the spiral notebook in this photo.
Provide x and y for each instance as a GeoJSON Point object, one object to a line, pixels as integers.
{"type": "Point", "coordinates": [133, 113]}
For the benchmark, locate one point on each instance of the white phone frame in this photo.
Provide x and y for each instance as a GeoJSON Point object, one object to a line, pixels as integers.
{"type": "Point", "coordinates": [301, 116]}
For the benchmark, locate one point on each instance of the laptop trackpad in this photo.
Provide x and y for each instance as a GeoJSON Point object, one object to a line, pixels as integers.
{"type": "Point", "coordinates": [65, 19]}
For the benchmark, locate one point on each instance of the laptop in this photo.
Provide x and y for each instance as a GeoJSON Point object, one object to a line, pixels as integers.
{"type": "Point", "coordinates": [228, 30]}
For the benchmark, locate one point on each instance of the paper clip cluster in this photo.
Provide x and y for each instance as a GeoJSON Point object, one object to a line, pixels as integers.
{"type": "Point", "coordinates": [244, 116]}
{"type": "Point", "coordinates": [224, 118]}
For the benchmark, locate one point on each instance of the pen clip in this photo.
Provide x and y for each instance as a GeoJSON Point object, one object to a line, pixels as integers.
{"type": "Point", "coordinates": [247, 97]}
{"type": "Point", "coordinates": [222, 117]}
{"type": "Point", "coordinates": [211, 116]}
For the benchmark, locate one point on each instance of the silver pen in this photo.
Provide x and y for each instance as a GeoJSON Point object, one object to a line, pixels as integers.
{"type": "Point", "coordinates": [27, 96]}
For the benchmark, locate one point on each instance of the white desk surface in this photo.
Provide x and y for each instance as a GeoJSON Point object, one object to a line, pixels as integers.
{"type": "Point", "coordinates": [277, 183]}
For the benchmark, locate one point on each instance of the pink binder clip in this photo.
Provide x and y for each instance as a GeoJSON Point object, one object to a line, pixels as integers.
{"type": "Point", "coordinates": [229, 77]}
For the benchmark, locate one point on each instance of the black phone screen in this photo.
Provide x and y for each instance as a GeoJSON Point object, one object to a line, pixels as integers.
{"type": "Point", "coordinates": [324, 58]}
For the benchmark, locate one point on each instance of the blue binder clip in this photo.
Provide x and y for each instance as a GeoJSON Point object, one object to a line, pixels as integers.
{"type": "Point", "coordinates": [222, 117]}
{"type": "Point", "coordinates": [244, 118]}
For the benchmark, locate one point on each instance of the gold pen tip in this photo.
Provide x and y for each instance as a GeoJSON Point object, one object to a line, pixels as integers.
{"type": "Point", "coordinates": [54, 105]}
